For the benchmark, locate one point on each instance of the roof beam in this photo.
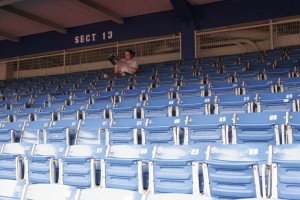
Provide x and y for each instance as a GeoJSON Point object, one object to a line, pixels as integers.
{"type": "Point", "coordinates": [35, 18]}
{"type": "Point", "coordinates": [9, 36]}
{"type": "Point", "coordinates": [113, 16]}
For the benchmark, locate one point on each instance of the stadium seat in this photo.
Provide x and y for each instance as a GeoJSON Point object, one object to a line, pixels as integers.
{"type": "Point", "coordinates": [162, 130]}
{"type": "Point", "coordinates": [217, 89]}
{"type": "Point", "coordinates": [11, 189]}
{"type": "Point", "coordinates": [267, 127]}
{"type": "Point", "coordinates": [126, 109]}
{"type": "Point", "coordinates": [47, 113]}
{"type": "Point", "coordinates": [289, 84]}
{"type": "Point", "coordinates": [25, 114]}
{"type": "Point", "coordinates": [11, 131]}
{"type": "Point", "coordinates": [192, 90]}
{"type": "Point", "coordinates": [195, 105]}
{"type": "Point", "coordinates": [11, 160]}
{"type": "Point", "coordinates": [293, 128]}
{"type": "Point", "coordinates": [282, 101]}
{"type": "Point", "coordinates": [175, 196]}
{"type": "Point", "coordinates": [124, 131]}
{"type": "Point", "coordinates": [62, 131]}
{"type": "Point", "coordinates": [97, 110]}
{"type": "Point", "coordinates": [284, 172]}
{"type": "Point", "coordinates": [124, 167]}
{"type": "Point", "coordinates": [132, 95]}
{"type": "Point", "coordinates": [71, 111]}
{"type": "Point", "coordinates": [33, 131]}
{"type": "Point", "coordinates": [109, 193]}
{"type": "Point", "coordinates": [81, 165]}
{"type": "Point", "coordinates": [50, 191]}
{"type": "Point", "coordinates": [159, 108]}
{"type": "Point", "coordinates": [234, 104]}
{"type": "Point", "coordinates": [41, 166]}
{"type": "Point", "coordinates": [261, 86]}
{"type": "Point", "coordinates": [233, 171]}
{"type": "Point", "coordinates": [207, 129]}
{"type": "Point", "coordinates": [162, 92]}
{"type": "Point", "coordinates": [175, 169]}
{"type": "Point", "coordinates": [92, 131]}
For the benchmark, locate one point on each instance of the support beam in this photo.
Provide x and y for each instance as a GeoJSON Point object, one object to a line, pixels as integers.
{"type": "Point", "coordinates": [113, 16]}
{"type": "Point", "coordinates": [35, 18]}
{"type": "Point", "coordinates": [9, 36]}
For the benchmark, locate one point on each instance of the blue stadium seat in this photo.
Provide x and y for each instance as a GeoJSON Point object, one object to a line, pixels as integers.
{"type": "Point", "coordinates": [285, 172]}
{"type": "Point", "coordinates": [234, 104]}
{"type": "Point", "coordinates": [109, 193]}
{"type": "Point", "coordinates": [247, 75]}
{"type": "Point", "coordinates": [47, 113]}
{"type": "Point", "coordinates": [233, 171]}
{"type": "Point", "coordinates": [293, 128]}
{"type": "Point", "coordinates": [25, 114]}
{"type": "Point", "coordinates": [214, 78]}
{"type": "Point", "coordinates": [207, 129]}
{"type": "Point", "coordinates": [175, 169]}
{"type": "Point", "coordinates": [11, 160]}
{"type": "Point", "coordinates": [62, 131]}
{"type": "Point", "coordinates": [264, 127]}
{"type": "Point", "coordinates": [50, 191]}
{"type": "Point", "coordinates": [127, 109]}
{"type": "Point", "coordinates": [71, 111]}
{"type": "Point", "coordinates": [217, 89]}
{"type": "Point", "coordinates": [33, 131]}
{"type": "Point", "coordinates": [195, 105]}
{"type": "Point", "coordinates": [159, 108]}
{"type": "Point", "coordinates": [41, 166]}
{"type": "Point", "coordinates": [163, 130]}
{"type": "Point", "coordinates": [261, 86]}
{"type": "Point", "coordinates": [124, 131]}
{"type": "Point", "coordinates": [11, 131]}
{"type": "Point", "coordinates": [11, 189]}
{"type": "Point", "coordinates": [81, 165]}
{"type": "Point", "coordinates": [175, 196]}
{"type": "Point", "coordinates": [132, 95]}
{"type": "Point", "coordinates": [92, 131]}
{"type": "Point", "coordinates": [124, 166]}
{"type": "Point", "coordinates": [192, 90]}
{"type": "Point", "coordinates": [97, 110]}
{"type": "Point", "coordinates": [278, 73]}
{"type": "Point", "coordinates": [162, 92]}
{"type": "Point", "coordinates": [282, 101]}
{"type": "Point", "coordinates": [289, 84]}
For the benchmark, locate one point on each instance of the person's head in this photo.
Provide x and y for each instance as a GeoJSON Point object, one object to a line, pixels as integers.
{"type": "Point", "coordinates": [129, 54]}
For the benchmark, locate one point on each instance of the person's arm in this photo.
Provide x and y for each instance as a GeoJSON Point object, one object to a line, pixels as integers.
{"type": "Point", "coordinates": [131, 69]}
{"type": "Point", "coordinates": [117, 70]}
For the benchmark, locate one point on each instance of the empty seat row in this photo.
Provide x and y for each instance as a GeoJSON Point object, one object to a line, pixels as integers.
{"type": "Point", "coordinates": [218, 171]}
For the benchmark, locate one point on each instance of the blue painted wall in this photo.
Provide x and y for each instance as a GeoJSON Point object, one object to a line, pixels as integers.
{"type": "Point", "coordinates": [222, 13]}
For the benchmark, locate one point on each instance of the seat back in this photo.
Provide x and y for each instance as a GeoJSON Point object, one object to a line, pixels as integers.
{"type": "Point", "coordinates": [92, 131]}
{"type": "Point", "coordinates": [33, 131]}
{"type": "Point", "coordinates": [207, 129]}
{"type": "Point", "coordinates": [123, 166]}
{"type": "Point", "coordinates": [285, 171]}
{"type": "Point", "coordinates": [50, 191]}
{"type": "Point", "coordinates": [259, 127]}
{"type": "Point", "coordinates": [233, 171]}
{"type": "Point", "coordinates": [175, 169]}
{"type": "Point", "coordinates": [80, 166]}
{"type": "Point", "coordinates": [42, 165]}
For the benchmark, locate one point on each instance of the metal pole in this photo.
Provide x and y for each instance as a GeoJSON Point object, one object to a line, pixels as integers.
{"type": "Point", "coordinates": [271, 35]}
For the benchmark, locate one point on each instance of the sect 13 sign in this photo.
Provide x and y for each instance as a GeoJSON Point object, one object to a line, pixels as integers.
{"type": "Point", "coordinates": [93, 37]}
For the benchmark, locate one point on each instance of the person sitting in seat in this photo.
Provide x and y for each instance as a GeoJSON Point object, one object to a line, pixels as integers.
{"type": "Point", "coordinates": [128, 65]}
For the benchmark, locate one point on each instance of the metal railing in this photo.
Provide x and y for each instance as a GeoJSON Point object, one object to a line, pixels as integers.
{"type": "Point", "coordinates": [247, 38]}
{"type": "Point", "coordinates": [143, 47]}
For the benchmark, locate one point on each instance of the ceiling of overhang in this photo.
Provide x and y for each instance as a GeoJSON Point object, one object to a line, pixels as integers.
{"type": "Point", "coordinates": [27, 17]}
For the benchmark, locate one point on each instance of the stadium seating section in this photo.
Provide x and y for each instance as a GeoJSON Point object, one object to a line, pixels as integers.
{"type": "Point", "coordinates": [214, 128]}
